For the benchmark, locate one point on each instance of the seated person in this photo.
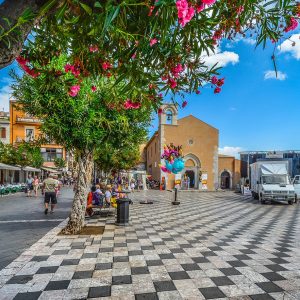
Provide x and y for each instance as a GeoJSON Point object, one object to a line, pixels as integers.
{"type": "Point", "coordinates": [108, 194]}
{"type": "Point", "coordinates": [89, 205]}
{"type": "Point", "coordinates": [97, 196]}
{"type": "Point", "coordinates": [98, 189]}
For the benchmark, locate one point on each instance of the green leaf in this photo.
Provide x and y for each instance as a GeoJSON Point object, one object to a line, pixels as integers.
{"type": "Point", "coordinates": [97, 4]}
{"type": "Point", "coordinates": [7, 21]}
{"type": "Point", "coordinates": [45, 8]}
{"type": "Point", "coordinates": [86, 8]}
{"type": "Point", "coordinates": [60, 13]}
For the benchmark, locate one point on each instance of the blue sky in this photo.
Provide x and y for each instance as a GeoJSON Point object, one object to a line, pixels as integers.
{"type": "Point", "coordinates": [252, 112]}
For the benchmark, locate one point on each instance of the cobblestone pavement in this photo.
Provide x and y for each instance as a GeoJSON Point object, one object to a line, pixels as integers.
{"type": "Point", "coordinates": [212, 246]}
{"type": "Point", "coordinates": [22, 222]}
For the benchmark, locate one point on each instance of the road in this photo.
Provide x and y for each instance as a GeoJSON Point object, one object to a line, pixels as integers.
{"type": "Point", "coordinates": [23, 222]}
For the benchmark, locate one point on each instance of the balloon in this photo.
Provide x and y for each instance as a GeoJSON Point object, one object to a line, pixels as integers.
{"type": "Point", "coordinates": [169, 166]}
{"type": "Point", "coordinates": [178, 165]}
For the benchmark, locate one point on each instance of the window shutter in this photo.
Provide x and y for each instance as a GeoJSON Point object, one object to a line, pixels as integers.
{"type": "Point", "coordinates": [3, 133]}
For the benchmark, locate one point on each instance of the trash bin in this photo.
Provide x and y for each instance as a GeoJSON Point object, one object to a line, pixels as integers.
{"type": "Point", "coordinates": [123, 211]}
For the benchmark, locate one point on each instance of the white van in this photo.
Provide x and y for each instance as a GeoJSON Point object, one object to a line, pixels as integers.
{"type": "Point", "coordinates": [296, 183]}
{"type": "Point", "coordinates": [270, 182]}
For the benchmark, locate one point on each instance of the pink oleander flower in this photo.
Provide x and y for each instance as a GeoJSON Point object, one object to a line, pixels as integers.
{"type": "Point", "coordinates": [164, 77]}
{"type": "Point", "coordinates": [151, 8]}
{"type": "Point", "coordinates": [131, 105]}
{"type": "Point", "coordinates": [159, 111]}
{"type": "Point", "coordinates": [160, 95]}
{"type": "Point", "coordinates": [106, 65]}
{"type": "Point", "coordinates": [220, 82]}
{"type": "Point", "coordinates": [68, 68]}
{"type": "Point", "coordinates": [133, 55]}
{"type": "Point", "coordinates": [199, 7]}
{"type": "Point", "coordinates": [293, 24]}
{"type": "Point", "coordinates": [208, 2]}
{"type": "Point", "coordinates": [151, 86]}
{"type": "Point", "coordinates": [240, 9]}
{"type": "Point", "coordinates": [217, 90]}
{"type": "Point", "coordinates": [184, 104]}
{"type": "Point", "coordinates": [172, 83]}
{"type": "Point", "coordinates": [94, 88]}
{"type": "Point", "coordinates": [177, 70]}
{"type": "Point", "coordinates": [217, 35]}
{"type": "Point", "coordinates": [94, 48]}
{"type": "Point", "coordinates": [184, 11]}
{"type": "Point", "coordinates": [214, 80]}
{"type": "Point", "coordinates": [153, 42]}
{"type": "Point", "coordinates": [198, 92]}
{"type": "Point", "coordinates": [74, 90]}
{"type": "Point", "coordinates": [76, 72]}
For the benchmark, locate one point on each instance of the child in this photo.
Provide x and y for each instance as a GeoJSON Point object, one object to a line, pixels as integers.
{"type": "Point", "coordinates": [132, 185]}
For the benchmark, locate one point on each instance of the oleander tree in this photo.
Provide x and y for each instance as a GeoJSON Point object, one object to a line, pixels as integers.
{"type": "Point", "coordinates": [22, 154]}
{"type": "Point", "coordinates": [122, 155]}
{"type": "Point", "coordinates": [82, 120]}
{"type": "Point", "coordinates": [158, 44]}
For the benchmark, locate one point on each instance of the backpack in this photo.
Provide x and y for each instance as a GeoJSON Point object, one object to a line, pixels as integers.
{"type": "Point", "coordinates": [97, 199]}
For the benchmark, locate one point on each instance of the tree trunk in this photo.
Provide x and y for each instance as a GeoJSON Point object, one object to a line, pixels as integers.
{"type": "Point", "coordinates": [76, 218]}
{"type": "Point", "coordinates": [12, 10]}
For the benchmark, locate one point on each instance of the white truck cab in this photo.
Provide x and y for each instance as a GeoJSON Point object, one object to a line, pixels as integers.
{"type": "Point", "coordinates": [270, 182]}
{"type": "Point", "coordinates": [296, 183]}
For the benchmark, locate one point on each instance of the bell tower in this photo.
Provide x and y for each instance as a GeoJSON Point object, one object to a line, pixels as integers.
{"type": "Point", "coordinates": [169, 115]}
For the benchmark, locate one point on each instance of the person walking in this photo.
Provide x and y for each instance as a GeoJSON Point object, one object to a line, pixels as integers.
{"type": "Point", "coordinates": [29, 183]}
{"type": "Point", "coordinates": [49, 189]}
{"type": "Point", "coordinates": [36, 184]}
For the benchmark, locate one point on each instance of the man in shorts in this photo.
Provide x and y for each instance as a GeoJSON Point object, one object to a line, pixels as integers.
{"type": "Point", "coordinates": [50, 186]}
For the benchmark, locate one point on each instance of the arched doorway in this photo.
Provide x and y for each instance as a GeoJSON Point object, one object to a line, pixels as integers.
{"type": "Point", "coordinates": [225, 180]}
{"type": "Point", "coordinates": [191, 175]}
{"type": "Point", "coordinates": [191, 170]}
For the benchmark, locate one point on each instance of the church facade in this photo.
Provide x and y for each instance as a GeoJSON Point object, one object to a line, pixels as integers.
{"type": "Point", "coordinates": [200, 142]}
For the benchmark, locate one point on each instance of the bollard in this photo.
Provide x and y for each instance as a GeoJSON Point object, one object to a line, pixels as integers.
{"type": "Point", "coordinates": [176, 202]}
{"type": "Point", "coordinates": [123, 211]}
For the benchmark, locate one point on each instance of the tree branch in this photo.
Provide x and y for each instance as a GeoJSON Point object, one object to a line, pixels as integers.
{"type": "Point", "coordinates": [12, 10]}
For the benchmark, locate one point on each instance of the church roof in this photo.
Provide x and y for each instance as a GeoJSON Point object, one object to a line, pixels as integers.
{"type": "Point", "coordinates": [193, 117]}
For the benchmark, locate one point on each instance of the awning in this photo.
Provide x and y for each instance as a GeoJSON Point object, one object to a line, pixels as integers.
{"type": "Point", "coordinates": [51, 170]}
{"type": "Point", "coordinates": [31, 169]}
{"type": "Point", "coordinates": [8, 167]}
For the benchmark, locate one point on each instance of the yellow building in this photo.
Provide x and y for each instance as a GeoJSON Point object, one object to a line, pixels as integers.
{"type": "Point", "coordinates": [200, 142]}
{"type": "Point", "coordinates": [229, 171]}
{"type": "Point", "coordinates": [24, 127]}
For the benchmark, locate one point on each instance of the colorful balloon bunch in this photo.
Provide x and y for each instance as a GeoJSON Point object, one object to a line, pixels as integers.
{"type": "Point", "coordinates": [173, 157]}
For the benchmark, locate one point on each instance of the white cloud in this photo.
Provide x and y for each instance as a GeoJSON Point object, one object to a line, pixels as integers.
{"type": "Point", "coordinates": [222, 58]}
{"type": "Point", "coordinates": [237, 39]}
{"type": "Point", "coordinates": [291, 45]}
{"type": "Point", "coordinates": [5, 94]}
{"type": "Point", "coordinates": [231, 151]}
{"type": "Point", "coordinates": [249, 41]}
{"type": "Point", "coordinates": [272, 75]}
